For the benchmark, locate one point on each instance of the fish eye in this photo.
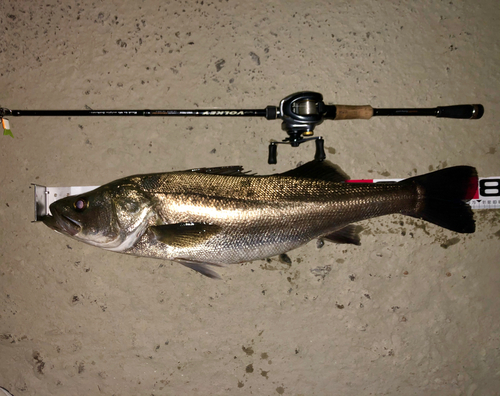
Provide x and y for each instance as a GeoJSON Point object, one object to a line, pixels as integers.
{"type": "Point", "coordinates": [81, 204]}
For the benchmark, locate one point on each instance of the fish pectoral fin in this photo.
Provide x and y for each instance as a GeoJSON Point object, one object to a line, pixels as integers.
{"type": "Point", "coordinates": [184, 234]}
{"type": "Point", "coordinates": [202, 268]}
{"type": "Point", "coordinates": [319, 170]}
{"type": "Point", "coordinates": [348, 234]}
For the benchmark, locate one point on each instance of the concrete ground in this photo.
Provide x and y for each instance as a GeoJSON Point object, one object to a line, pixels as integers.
{"type": "Point", "coordinates": [412, 311]}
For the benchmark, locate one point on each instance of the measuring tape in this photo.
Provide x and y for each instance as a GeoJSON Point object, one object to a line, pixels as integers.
{"type": "Point", "coordinates": [487, 195]}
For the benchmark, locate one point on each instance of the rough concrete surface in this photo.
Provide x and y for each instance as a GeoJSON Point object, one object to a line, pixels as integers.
{"type": "Point", "coordinates": [414, 310]}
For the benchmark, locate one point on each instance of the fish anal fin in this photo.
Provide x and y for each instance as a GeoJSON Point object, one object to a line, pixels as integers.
{"type": "Point", "coordinates": [201, 267]}
{"type": "Point", "coordinates": [348, 234]}
{"type": "Point", "coordinates": [184, 234]}
{"type": "Point", "coordinates": [319, 170]}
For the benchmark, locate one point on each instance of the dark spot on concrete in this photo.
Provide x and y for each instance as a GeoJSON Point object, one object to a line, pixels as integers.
{"type": "Point", "coordinates": [121, 43]}
{"type": "Point", "coordinates": [331, 150]}
{"type": "Point", "coordinates": [75, 299]}
{"type": "Point", "coordinates": [248, 351]}
{"type": "Point", "coordinates": [264, 355]}
{"type": "Point", "coordinates": [264, 374]}
{"type": "Point", "coordinates": [249, 368]}
{"type": "Point", "coordinates": [40, 364]}
{"type": "Point", "coordinates": [450, 242]}
{"type": "Point", "coordinates": [368, 296]}
{"type": "Point", "coordinates": [6, 336]}
{"type": "Point", "coordinates": [322, 271]}
{"type": "Point", "coordinates": [240, 384]}
{"type": "Point", "coordinates": [213, 151]}
{"type": "Point", "coordinates": [280, 390]}
{"type": "Point", "coordinates": [69, 247]}
{"type": "Point", "coordinates": [219, 64]}
{"type": "Point", "coordinates": [255, 58]}
{"type": "Point", "coordinates": [352, 277]}
{"type": "Point", "coordinates": [339, 306]}
{"type": "Point", "coordinates": [80, 367]}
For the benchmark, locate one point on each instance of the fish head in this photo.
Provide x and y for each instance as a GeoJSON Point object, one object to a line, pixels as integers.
{"type": "Point", "coordinates": [112, 217]}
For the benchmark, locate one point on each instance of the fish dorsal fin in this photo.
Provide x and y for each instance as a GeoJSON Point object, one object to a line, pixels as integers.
{"type": "Point", "coordinates": [202, 268]}
{"type": "Point", "coordinates": [184, 234]}
{"type": "Point", "coordinates": [236, 170]}
{"type": "Point", "coordinates": [320, 170]}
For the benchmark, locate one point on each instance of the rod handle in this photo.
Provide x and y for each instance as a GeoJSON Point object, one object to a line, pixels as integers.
{"type": "Point", "coordinates": [344, 112]}
{"type": "Point", "coordinates": [473, 112]}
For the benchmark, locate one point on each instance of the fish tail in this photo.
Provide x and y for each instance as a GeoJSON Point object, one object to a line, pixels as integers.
{"type": "Point", "coordinates": [443, 197]}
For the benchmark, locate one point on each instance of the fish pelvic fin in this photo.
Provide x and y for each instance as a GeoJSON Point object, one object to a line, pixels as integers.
{"type": "Point", "coordinates": [184, 234]}
{"type": "Point", "coordinates": [443, 195]}
{"type": "Point", "coordinates": [202, 268]}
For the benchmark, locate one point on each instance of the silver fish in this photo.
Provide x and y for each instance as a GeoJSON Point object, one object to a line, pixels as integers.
{"type": "Point", "coordinates": [216, 216]}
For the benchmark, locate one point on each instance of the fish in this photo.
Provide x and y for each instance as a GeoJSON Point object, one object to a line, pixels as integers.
{"type": "Point", "coordinates": [211, 217]}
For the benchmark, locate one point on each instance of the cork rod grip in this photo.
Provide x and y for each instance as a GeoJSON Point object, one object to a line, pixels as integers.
{"type": "Point", "coordinates": [353, 112]}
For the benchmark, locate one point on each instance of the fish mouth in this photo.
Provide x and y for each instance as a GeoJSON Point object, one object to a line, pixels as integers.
{"type": "Point", "coordinates": [61, 223]}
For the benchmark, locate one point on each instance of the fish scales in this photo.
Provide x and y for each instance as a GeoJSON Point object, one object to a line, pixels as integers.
{"type": "Point", "coordinates": [262, 216]}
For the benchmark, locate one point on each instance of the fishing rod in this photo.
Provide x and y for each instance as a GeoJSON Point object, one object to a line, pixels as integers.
{"type": "Point", "coordinates": [300, 113]}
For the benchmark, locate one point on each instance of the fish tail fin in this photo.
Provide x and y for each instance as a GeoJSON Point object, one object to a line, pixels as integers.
{"type": "Point", "coordinates": [443, 197]}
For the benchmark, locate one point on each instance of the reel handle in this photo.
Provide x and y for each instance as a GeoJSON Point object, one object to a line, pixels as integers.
{"type": "Point", "coordinates": [273, 153]}
{"type": "Point", "coordinates": [318, 156]}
